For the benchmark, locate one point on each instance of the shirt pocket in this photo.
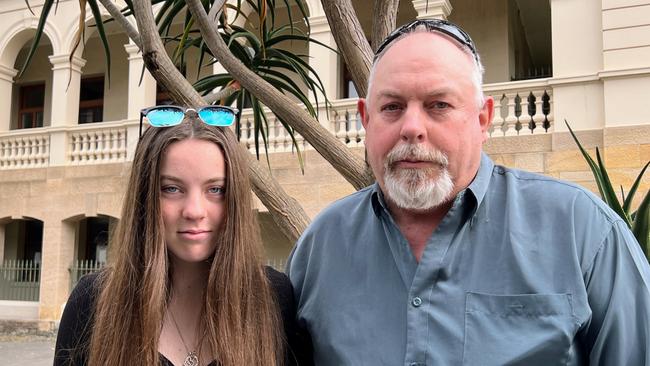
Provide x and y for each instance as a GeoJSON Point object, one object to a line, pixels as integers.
{"type": "Point", "coordinates": [531, 329]}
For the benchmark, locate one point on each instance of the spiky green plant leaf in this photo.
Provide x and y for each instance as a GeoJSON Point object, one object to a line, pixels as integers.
{"type": "Point", "coordinates": [609, 194]}
{"type": "Point", "coordinates": [592, 164]}
{"type": "Point", "coordinates": [639, 221]}
{"type": "Point", "coordinates": [641, 225]}
{"type": "Point", "coordinates": [627, 202]}
{"type": "Point", "coordinates": [45, 11]}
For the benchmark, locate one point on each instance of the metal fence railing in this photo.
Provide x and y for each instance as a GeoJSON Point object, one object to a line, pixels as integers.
{"type": "Point", "coordinates": [20, 280]}
{"type": "Point", "coordinates": [82, 267]}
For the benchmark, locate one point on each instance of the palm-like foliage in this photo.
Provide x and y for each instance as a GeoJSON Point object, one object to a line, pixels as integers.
{"type": "Point", "coordinates": [47, 8]}
{"type": "Point", "coordinates": [260, 49]}
{"type": "Point", "coordinates": [638, 221]}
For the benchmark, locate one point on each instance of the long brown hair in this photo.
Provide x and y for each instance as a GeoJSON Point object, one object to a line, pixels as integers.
{"type": "Point", "coordinates": [241, 316]}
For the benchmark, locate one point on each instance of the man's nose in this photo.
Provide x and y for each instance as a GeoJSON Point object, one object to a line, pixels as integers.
{"type": "Point", "coordinates": [194, 207]}
{"type": "Point", "coordinates": [413, 125]}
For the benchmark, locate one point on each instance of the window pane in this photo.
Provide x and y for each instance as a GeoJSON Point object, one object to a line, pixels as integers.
{"type": "Point", "coordinates": [85, 115]}
{"type": "Point", "coordinates": [33, 96]}
{"type": "Point", "coordinates": [92, 89]}
{"type": "Point", "coordinates": [26, 120]}
{"type": "Point", "coordinates": [39, 119]}
{"type": "Point", "coordinates": [90, 115]}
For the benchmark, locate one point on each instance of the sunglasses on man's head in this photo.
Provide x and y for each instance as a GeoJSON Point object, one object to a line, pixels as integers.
{"type": "Point", "coordinates": [431, 25]}
{"type": "Point", "coordinates": [171, 115]}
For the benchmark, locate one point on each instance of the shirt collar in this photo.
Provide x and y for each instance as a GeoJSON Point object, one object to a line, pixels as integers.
{"type": "Point", "coordinates": [477, 188]}
{"type": "Point", "coordinates": [479, 185]}
{"type": "Point", "coordinates": [378, 201]}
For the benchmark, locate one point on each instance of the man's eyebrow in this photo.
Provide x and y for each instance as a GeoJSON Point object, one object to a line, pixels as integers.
{"type": "Point", "coordinates": [388, 94]}
{"type": "Point", "coordinates": [440, 92]}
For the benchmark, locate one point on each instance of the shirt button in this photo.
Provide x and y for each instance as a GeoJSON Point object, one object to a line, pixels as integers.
{"type": "Point", "coordinates": [416, 302]}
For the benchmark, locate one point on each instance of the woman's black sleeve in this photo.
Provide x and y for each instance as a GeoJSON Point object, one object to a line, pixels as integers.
{"type": "Point", "coordinates": [299, 347]}
{"type": "Point", "coordinates": [74, 329]}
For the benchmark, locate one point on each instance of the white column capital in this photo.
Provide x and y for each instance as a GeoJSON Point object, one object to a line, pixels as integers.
{"type": "Point", "coordinates": [133, 51]}
{"type": "Point", "coordinates": [63, 62]}
{"type": "Point", "coordinates": [7, 73]}
{"type": "Point", "coordinates": [319, 24]}
{"type": "Point", "coordinates": [439, 9]}
{"type": "Point", "coordinates": [315, 8]}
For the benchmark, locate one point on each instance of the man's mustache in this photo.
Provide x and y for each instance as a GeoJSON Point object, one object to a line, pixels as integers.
{"type": "Point", "coordinates": [416, 152]}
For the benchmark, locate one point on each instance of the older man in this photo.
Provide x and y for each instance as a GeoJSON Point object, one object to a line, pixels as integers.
{"type": "Point", "coordinates": [449, 259]}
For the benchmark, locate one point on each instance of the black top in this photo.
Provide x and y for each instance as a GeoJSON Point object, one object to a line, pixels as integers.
{"type": "Point", "coordinates": [77, 319]}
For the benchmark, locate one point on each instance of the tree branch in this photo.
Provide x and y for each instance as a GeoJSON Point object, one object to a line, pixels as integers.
{"type": "Point", "coordinates": [122, 21]}
{"type": "Point", "coordinates": [384, 19]}
{"type": "Point", "coordinates": [223, 93]}
{"type": "Point", "coordinates": [351, 167]}
{"type": "Point", "coordinates": [350, 40]}
{"type": "Point", "coordinates": [285, 211]}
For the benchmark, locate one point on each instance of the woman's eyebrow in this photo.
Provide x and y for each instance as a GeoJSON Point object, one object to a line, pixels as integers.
{"type": "Point", "coordinates": [180, 180]}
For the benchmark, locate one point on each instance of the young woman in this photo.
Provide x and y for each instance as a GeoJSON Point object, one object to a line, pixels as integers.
{"type": "Point", "coordinates": [187, 285]}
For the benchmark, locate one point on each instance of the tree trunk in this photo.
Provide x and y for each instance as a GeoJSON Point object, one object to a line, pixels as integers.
{"type": "Point", "coordinates": [351, 166]}
{"type": "Point", "coordinates": [350, 40]}
{"type": "Point", "coordinates": [385, 17]}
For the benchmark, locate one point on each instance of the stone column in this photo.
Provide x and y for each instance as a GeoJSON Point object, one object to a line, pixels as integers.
{"type": "Point", "coordinates": [7, 75]}
{"type": "Point", "coordinates": [577, 60]}
{"type": "Point", "coordinates": [58, 254]}
{"type": "Point", "coordinates": [325, 62]}
{"type": "Point", "coordinates": [2, 242]}
{"type": "Point", "coordinates": [217, 68]}
{"type": "Point", "coordinates": [626, 65]}
{"type": "Point", "coordinates": [141, 94]}
{"type": "Point", "coordinates": [439, 9]}
{"type": "Point", "coordinates": [66, 85]}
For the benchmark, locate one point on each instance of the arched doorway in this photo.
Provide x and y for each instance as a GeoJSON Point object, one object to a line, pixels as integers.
{"type": "Point", "coordinates": [22, 257]}
{"type": "Point", "coordinates": [91, 246]}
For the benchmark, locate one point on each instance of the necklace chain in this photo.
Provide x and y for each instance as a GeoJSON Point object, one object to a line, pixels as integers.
{"type": "Point", "coordinates": [192, 358]}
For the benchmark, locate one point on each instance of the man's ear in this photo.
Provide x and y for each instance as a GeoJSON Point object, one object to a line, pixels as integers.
{"type": "Point", "coordinates": [362, 107]}
{"type": "Point", "coordinates": [485, 116]}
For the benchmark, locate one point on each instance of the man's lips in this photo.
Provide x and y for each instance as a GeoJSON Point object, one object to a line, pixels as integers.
{"type": "Point", "coordinates": [414, 163]}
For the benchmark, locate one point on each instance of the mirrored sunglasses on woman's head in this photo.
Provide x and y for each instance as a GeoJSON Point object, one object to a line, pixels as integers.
{"type": "Point", "coordinates": [431, 25]}
{"type": "Point", "coordinates": [172, 115]}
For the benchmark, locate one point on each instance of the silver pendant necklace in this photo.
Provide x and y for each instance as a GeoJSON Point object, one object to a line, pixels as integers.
{"type": "Point", "coordinates": [192, 359]}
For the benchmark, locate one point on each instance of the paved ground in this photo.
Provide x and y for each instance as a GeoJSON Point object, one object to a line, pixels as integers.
{"type": "Point", "coordinates": [26, 350]}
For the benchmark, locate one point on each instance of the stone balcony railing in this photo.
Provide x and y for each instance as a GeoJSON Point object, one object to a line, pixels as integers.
{"type": "Point", "coordinates": [523, 107]}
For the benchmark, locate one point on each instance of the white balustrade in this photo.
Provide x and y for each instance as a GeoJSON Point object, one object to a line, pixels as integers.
{"type": "Point", "coordinates": [24, 151]}
{"type": "Point", "coordinates": [522, 107]}
{"type": "Point", "coordinates": [96, 145]}
{"type": "Point", "coordinates": [278, 138]}
{"type": "Point", "coordinates": [346, 123]}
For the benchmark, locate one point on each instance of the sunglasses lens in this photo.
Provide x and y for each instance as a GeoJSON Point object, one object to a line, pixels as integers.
{"type": "Point", "coordinates": [217, 116]}
{"type": "Point", "coordinates": [165, 116]}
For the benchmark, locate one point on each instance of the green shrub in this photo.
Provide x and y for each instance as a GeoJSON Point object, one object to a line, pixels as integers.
{"type": "Point", "coordinates": [639, 220]}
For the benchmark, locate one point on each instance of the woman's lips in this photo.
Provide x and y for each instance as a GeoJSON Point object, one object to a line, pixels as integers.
{"type": "Point", "coordinates": [194, 235]}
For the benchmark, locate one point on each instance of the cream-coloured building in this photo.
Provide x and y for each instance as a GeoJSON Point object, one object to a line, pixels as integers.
{"type": "Point", "coordinates": [67, 137]}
